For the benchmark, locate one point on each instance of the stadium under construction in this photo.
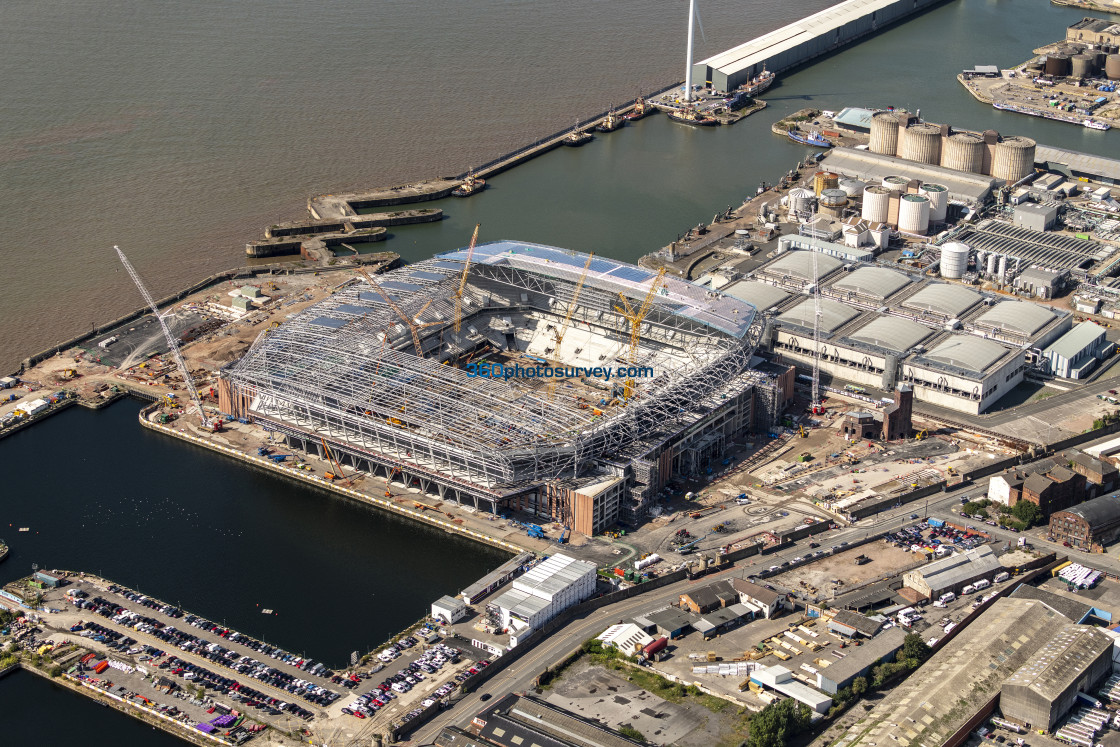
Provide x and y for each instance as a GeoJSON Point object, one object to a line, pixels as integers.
{"type": "Point", "coordinates": [382, 373]}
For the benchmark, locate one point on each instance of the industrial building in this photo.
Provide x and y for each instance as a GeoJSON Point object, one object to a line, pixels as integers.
{"type": "Point", "coordinates": [953, 573]}
{"type": "Point", "coordinates": [1077, 352]}
{"type": "Point", "coordinates": [858, 661]}
{"type": "Point", "coordinates": [364, 371]}
{"type": "Point", "coordinates": [449, 609]}
{"type": "Point", "coordinates": [781, 680]}
{"type": "Point", "coordinates": [937, 703]}
{"type": "Point", "coordinates": [522, 721]}
{"type": "Point", "coordinates": [626, 637]}
{"type": "Point", "coordinates": [851, 624]}
{"type": "Point", "coordinates": [1044, 688]}
{"type": "Point", "coordinates": [1088, 526]}
{"type": "Point", "coordinates": [963, 186]}
{"type": "Point", "coordinates": [671, 622]}
{"type": "Point", "coordinates": [1094, 31]}
{"type": "Point", "coordinates": [803, 40]}
{"type": "Point", "coordinates": [1035, 217]}
{"type": "Point", "coordinates": [497, 578]}
{"type": "Point", "coordinates": [543, 592]}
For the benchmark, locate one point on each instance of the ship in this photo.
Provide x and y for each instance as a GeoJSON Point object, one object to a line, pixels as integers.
{"type": "Point", "coordinates": [811, 139]}
{"type": "Point", "coordinates": [610, 123]}
{"type": "Point", "coordinates": [690, 116]}
{"type": "Point", "coordinates": [471, 185]}
{"type": "Point", "coordinates": [1094, 125]}
{"type": "Point", "coordinates": [577, 137]}
{"type": "Point", "coordinates": [758, 84]}
{"type": "Point", "coordinates": [641, 109]}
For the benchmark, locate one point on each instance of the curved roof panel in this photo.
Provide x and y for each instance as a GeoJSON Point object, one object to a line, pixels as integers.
{"type": "Point", "coordinates": [877, 282]}
{"type": "Point", "coordinates": [834, 315]}
{"type": "Point", "coordinates": [967, 352]}
{"type": "Point", "coordinates": [800, 265]}
{"type": "Point", "coordinates": [943, 298]}
{"type": "Point", "coordinates": [1019, 317]}
{"type": "Point", "coordinates": [892, 333]}
{"type": "Point", "coordinates": [762, 296]}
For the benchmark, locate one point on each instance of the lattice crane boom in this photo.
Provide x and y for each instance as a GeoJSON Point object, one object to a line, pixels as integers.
{"type": "Point", "coordinates": [463, 280]}
{"type": "Point", "coordinates": [572, 306]}
{"type": "Point", "coordinates": [188, 381]}
{"type": "Point", "coordinates": [635, 317]}
{"type": "Point", "coordinates": [412, 327]}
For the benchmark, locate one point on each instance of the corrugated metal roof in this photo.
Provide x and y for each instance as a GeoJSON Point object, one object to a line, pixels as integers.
{"type": "Point", "coordinates": [892, 333]}
{"type": "Point", "coordinates": [967, 352]}
{"type": "Point", "coordinates": [834, 315]}
{"type": "Point", "coordinates": [955, 569]}
{"type": "Point", "coordinates": [1058, 664]}
{"type": "Point", "coordinates": [1083, 163]}
{"type": "Point", "coordinates": [877, 282]}
{"type": "Point", "coordinates": [1082, 336]}
{"type": "Point", "coordinates": [943, 298]}
{"type": "Point", "coordinates": [1017, 316]}
{"type": "Point", "coordinates": [855, 117]}
{"type": "Point", "coordinates": [1098, 511]}
{"type": "Point", "coordinates": [872, 167]}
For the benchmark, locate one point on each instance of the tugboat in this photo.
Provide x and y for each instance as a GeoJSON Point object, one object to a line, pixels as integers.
{"type": "Point", "coordinates": [690, 116]}
{"type": "Point", "coordinates": [470, 186]}
{"type": "Point", "coordinates": [811, 139]}
{"type": "Point", "coordinates": [758, 84]}
{"type": "Point", "coordinates": [641, 109]}
{"type": "Point", "coordinates": [611, 122]}
{"type": "Point", "coordinates": [578, 137]}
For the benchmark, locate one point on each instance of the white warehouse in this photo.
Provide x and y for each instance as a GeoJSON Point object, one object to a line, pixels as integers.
{"type": "Point", "coordinates": [544, 592]}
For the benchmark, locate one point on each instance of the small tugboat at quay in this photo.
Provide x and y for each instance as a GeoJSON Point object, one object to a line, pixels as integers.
{"type": "Point", "coordinates": [691, 117]}
{"type": "Point", "coordinates": [611, 122]}
{"type": "Point", "coordinates": [578, 137]}
{"type": "Point", "coordinates": [470, 186]}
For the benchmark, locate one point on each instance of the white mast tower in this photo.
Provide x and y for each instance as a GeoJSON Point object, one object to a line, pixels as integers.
{"type": "Point", "coordinates": [688, 62]}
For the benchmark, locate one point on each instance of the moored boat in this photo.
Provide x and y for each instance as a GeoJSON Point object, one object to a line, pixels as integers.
{"type": "Point", "coordinates": [470, 186]}
{"type": "Point", "coordinates": [690, 116]}
{"type": "Point", "coordinates": [758, 84]}
{"type": "Point", "coordinates": [641, 109]}
{"type": "Point", "coordinates": [1094, 125]}
{"type": "Point", "coordinates": [610, 123]}
{"type": "Point", "coordinates": [578, 137]}
{"type": "Point", "coordinates": [811, 139]}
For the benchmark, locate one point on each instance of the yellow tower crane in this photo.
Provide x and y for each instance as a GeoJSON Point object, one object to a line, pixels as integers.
{"type": "Point", "coordinates": [559, 334]}
{"type": "Point", "coordinates": [463, 280]}
{"type": "Point", "coordinates": [413, 326]}
{"type": "Point", "coordinates": [635, 318]}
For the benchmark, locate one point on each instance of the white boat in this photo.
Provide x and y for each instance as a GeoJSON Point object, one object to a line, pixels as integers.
{"type": "Point", "coordinates": [1097, 125]}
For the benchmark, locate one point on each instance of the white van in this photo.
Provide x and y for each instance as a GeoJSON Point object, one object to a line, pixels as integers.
{"type": "Point", "coordinates": [968, 589]}
{"type": "Point", "coordinates": [1000, 577]}
{"type": "Point", "coordinates": [982, 584]}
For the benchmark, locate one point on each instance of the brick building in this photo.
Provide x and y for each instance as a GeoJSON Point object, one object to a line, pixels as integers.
{"type": "Point", "coordinates": [1054, 490]}
{"type": "Point", "coordinates": [1088, 526]}
{"type": "Point", "coordinates": [1100, 476]}
{"type": "Point", "coordinates": [897, 416]}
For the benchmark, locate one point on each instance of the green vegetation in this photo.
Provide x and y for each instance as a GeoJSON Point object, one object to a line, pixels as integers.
{"type": "Point", "coordinates": [977, 508]}
{"type": "Point", "coordinates": [1107, 419]}
{"type": "Point", "coordinates": [55, 670]}
{"type": "Point", "coordinates": [776, 724]}
{"type": "Point", "coordinates": [1028, 513]}
{"type": "Point", "coordinates": [631, 733]}
{"type": "Point", "coordinates": [8, 660]}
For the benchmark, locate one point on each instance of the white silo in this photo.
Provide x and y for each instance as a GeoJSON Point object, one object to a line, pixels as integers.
{"type": "Point", "coordinates": [852, 187]}
{"type": "Point", "coordinates": [938, 195]}
{"type": "Point", "coordinates": [801, 200]}
{"type": "Point", "coordinates": [876, 204]}
{"type": "Point", "coordinates": [954, 260]}
{"type": "Point", "coordinates": [992, 263]}
{"type": "Point", "coordinates": [1002, 267]}
{"type": "Point", "coordinates": [896, 183]}
{"type": "Point", "coordinates": [980, 256]}
{"type": "Point", "coordinates": [913, 214]}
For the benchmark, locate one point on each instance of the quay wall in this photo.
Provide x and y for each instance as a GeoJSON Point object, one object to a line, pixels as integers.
{"type": "Point", "coordinates": [804, 40]}
{"type": "Point", "coordinates": [320, 482]}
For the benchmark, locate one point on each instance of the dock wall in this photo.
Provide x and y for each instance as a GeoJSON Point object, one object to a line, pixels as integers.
{"type": "Point", "coordinates": [319, 482]}
{"type": "Point", "coordinates": [805, 40]}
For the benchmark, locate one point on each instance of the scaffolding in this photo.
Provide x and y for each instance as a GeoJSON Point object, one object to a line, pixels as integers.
{"type": "Point", "coordinates": [346, 370]}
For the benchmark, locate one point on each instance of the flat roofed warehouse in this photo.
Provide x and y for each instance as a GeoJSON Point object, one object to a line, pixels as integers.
{"type": "Point", "coordinates": [966, 187]}
{"type": "Point", "coordinates": [357, 380]}
{"type": "Point", "coordinates": [943, 300]}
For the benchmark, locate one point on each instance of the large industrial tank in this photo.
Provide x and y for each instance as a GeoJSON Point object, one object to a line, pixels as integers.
{"type": "Point", "coordinates": [1057, 65]}
{"type": "Point", "coordinates": [801, 200]}
{"type": "Point", "coordinates": [1083, 65]}
{"type": "Point", "coordinates": [913, 214]}
{"type": "Point", "coordinates": [884, 133]}
{"type": "Point", "coordinates": [954, 260]}
{"type": "Point", "coordinates": [896, 183]}
{"type": "Point", "coordinates": [920, 142]}
{"type": "Point", "coordinates": [992, 259]}
{"type": "Point", "coordinates": [1112, 66]}
{"type": "Point", "coordinates": [963, 152]}
{"type": "Point", "coordinates": [876, 203]}
{"type": "Point", "coordinates": [1002, 267]}
{"type": "Point", "coordinates": [832, 202]}
{"type": "Point", "coordinates": [1013, 158]}
{"type": "Point", "coordinates": [823, 180]}
{"type": "Point", "coordinates": [938, 195]}
{"type": "Point", "coordinates": [852, 187]}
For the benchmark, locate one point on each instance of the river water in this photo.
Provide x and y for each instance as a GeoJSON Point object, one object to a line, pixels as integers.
{"type": "Point", "coordinates": [180, 132]}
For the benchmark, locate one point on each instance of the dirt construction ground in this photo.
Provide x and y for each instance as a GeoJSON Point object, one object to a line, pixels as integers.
{"type": "Point", "coordinates": [886, 560]}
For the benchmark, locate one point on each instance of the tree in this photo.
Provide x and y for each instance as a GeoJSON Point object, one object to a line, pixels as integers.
{"type": "Point", "coordinates": [859, 686]}
{"type": "Point", "coordinates": [1027, 512]}
{"type": "Point", "coordinates": [630, 732]}
{"type": "Point", "coordinates": [914, 650]}
{"type": "Point", "coordinates": [776, 724]}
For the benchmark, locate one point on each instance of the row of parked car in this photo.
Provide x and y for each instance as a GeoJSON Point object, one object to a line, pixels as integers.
{"type": "Point", "coordinates": [155, 604]}
{"type": "Point", "coordinates": [231, 688]}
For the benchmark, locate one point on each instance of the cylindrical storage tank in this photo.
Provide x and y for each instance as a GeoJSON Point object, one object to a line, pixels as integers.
{"type": "Point", "coordinates": [938, 195]}
{"type": "Point", "coordinates": [954, 260]}
{"type": "Point", "coordinates": [832, 202]}
{"type": "Point", "coordinates": [920, 142]}
{"type": "Point", "coordinates": [801, 200]}
{"type": "Point", "coordinates": [876, 204]}
{"type": "Point", "coordinates": [1112, 66]}
{"type": "Point", "coordinates": [913, 214]}
{"type": "Point", "coordinates": [895, 183]}
{"type": "Point", "coordinates": [823, 180]}
{"type": "Point", "coordinates": [992, 263]}
{"type": "Point", "coordinates": [980, 256]}
{"type": "Point", "coordinates": [852, 187]}
{"type": "Point", "coordinates": [1013, 158]}
{"type": "Point", "coordinates": [1002, 267]}
{"type": "Point", "coordinates": [1057, 65]}
{"type": "Point", "coordinates": [884, 133]}
{"type": "Point", "coordinates": [1037, 65]}
{"type": "Point", "coordinates": [1083, 65]}
{"type": "Point", "coordinates": [963, 152]}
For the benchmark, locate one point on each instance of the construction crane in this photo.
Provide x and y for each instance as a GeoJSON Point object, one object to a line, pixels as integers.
{"type": "Point", "coordinates": [572, 306]}
{"type": "Point", "coordinates": [413, 326]}
{"type": "Point", "coordinates": [463, 280]}
{"type": "Point", "coordinates": [337, 467]}
{"type": "Point", "coordinates": [635, 318]}
{"type": "Point", "coordinates": [815, 396]}
{"type": "Point", "coordinates": [171, 342]}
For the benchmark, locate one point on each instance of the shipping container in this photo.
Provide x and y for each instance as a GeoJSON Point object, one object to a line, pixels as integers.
{"type": "Point", "coordinates": [101, 666]}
